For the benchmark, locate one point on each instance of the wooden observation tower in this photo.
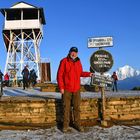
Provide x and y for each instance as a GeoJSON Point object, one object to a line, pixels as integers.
{"type": "Point", "coordinates": [22, 33]}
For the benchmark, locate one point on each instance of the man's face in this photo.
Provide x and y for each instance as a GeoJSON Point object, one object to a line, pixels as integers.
{"type": "Point", "coordinates": [73, 55]}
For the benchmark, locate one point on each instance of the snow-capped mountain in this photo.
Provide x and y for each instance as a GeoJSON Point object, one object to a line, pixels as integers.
{"type": "Point", "coordinates": [127, 72]}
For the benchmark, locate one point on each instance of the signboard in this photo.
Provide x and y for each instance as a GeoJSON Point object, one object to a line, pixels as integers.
{"type": "Point", "coordinates": [12, 72]}
{"type": "Point", "coordinates": [100, 42]}
{"type": "Point", "coordinates": [102, 81]}
{"type": "Point", "coordinates": [101, 61]}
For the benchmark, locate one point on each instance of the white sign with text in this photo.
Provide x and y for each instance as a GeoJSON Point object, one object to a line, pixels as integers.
{"type": "Point", "coordinates": [100, 42]}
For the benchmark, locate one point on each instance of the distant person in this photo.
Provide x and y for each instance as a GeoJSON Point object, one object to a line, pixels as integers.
{"type": "Point", "coordinates": [115, 79]}
{"type": "Point", "coordinates": [1, 83]}
{"type": "Point", "coordinates": [6, 79]}
{"type": "Point", "coordinates": [25, 73]}
{"type": "Point", "coordinates": [1, 76]}
{"type": "Point", "coordinates": [33, 77]}
{"type": "Point", "coordinates": [68, 78]}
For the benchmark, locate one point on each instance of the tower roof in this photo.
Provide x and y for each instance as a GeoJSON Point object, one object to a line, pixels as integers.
{"type": "Point", "coordinates": [23, 5]}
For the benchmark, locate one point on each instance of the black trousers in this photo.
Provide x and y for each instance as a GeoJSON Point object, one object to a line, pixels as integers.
{"type": "Point", "coordinates": [25, 82]}
{"type": "Point", "coordinates": [115, 86]}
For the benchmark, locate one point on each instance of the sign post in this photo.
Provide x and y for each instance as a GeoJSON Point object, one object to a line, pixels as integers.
{"type": "Point", "coordinates": [102, 81]}
{"type": "Point", "coordinates": [101, 61]}
{"type": "Point", "coordinates": [100, 42]}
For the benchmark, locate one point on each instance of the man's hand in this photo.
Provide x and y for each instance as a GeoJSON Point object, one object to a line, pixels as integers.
{"type": "Point", "coordinates": [91, 74]}
{"type": "Point", "coordinates": [62, 91]}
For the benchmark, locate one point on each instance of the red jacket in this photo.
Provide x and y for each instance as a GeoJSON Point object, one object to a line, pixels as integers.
{"type": "Point", "coordinates": [114, 76]}
{"type": "Point", "coordinates": [69, 73]}
{"type": "Point", "coordinates": [6, 77]}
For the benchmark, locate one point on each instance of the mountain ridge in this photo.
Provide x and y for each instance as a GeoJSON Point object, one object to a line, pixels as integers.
{"type": "Point", "coordinates": [126, 72]}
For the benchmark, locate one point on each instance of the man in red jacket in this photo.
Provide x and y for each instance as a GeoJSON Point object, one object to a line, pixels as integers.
{"type": "Point", "coordinates": [68, 78]}
{"type": "Point", "coordinates": [115, 79]}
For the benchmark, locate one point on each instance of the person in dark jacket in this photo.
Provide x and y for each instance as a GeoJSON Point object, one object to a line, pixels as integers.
{"type": "Point", "coordinates": [1, 83]}
{"type": "Point", "coordinates": [115, 79]}
{"type": "Point", "coordinates": [1, 76]}
{"type": "Point", "coordinates": [68, 77]}
{"type": "Point", "coordinates": [25, 73]}
{"type": "Point", "coordinates": [32, 77]}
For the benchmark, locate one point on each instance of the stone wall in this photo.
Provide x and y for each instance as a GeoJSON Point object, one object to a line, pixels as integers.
{"type": "Point", "coordinates": [27, 111]}
{"type": "Point", "coordinates": [51, 87]}
{"type": "Point", "coordinates": [123, 109]}
{"type": "Point", "coordinates": [41, 112]}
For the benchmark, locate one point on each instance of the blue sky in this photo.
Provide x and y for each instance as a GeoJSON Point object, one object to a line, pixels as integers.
{"type": "Point", "coordinates": [71, 22]}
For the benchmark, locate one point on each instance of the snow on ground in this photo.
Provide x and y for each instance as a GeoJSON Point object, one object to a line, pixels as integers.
{"type": "Point", "coordinates": [92, 133]}
{"type": "Point", "coordinates": [8, 91]}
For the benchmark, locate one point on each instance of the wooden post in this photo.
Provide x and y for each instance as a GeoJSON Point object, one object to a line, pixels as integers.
{"type": "Point", "coordinates": [103, 122]}
{"type": "Point", "coordinates": [103, 102]}
{"type": "Point", "coordinates": [101, 61]}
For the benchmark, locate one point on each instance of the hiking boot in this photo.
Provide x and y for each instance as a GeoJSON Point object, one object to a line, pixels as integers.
{"type": "Point", "coordinates": [79, 128]}
{"type": "Point", "coordinates": [66, 130]}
